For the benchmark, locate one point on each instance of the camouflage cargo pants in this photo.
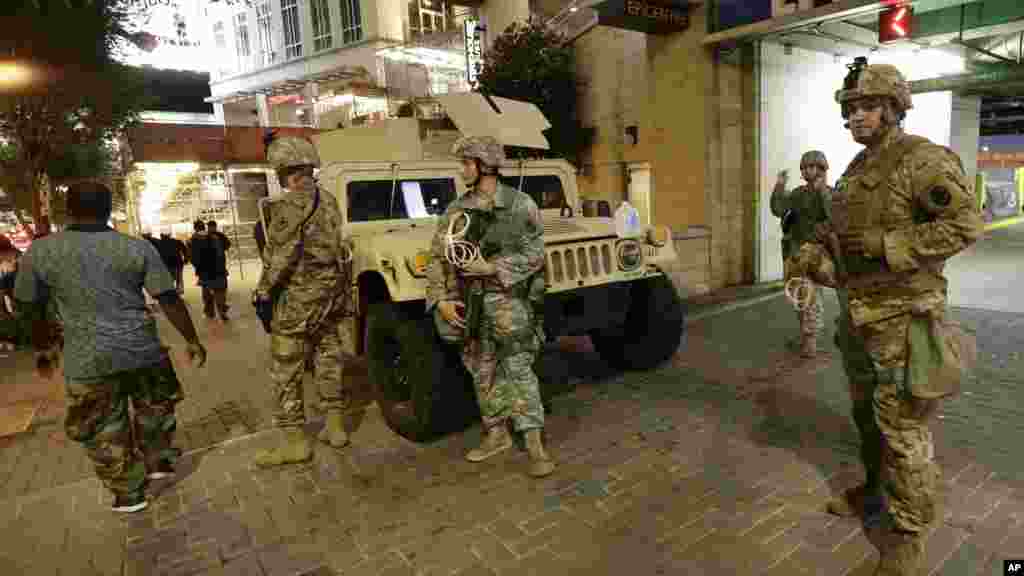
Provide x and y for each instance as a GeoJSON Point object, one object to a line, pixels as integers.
{"type": "Point", "coordinates": [812, 317]}
{"type": "Point", "coordinates": [501, 362]}
{"type": "Point", "coordinates": [126, 422]}
{"type": "Point", "coordinates": [289, 354]}
{"type": "Point", "coordinates": [896, 444]}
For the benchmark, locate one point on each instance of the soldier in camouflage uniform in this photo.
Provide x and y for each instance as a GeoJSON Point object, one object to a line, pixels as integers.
{"type": "Point", "coordinates": [902, 208]}
{"type": "Point", "coordinates": [499, 351]}
{"type": "Point", "coordinates": [801, 210]}
{"type": "Point", "coordinates": [305, 273]}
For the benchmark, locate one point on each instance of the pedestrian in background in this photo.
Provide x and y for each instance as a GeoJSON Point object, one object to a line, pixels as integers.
{"type": "Point", "coordinates": [801, 210]}
{"type": "Point", "coordinates": [121, 387]}
{"type": "Point", "coordinates": [174, 253]}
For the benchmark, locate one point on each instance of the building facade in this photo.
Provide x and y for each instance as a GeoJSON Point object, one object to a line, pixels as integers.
{"type": "Point", "coordinates": [337, 63]}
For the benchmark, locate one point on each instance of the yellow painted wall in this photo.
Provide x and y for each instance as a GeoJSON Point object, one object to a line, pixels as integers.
{"type": "Point", "coordinates": [656, 83]}
{"type": "Point", "coordinates": [674, 137]}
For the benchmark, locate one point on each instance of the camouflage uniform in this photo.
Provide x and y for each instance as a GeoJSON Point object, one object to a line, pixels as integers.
{"type": "Point", "coordinates": [500, 357]}
{"type": "Point", "coordinates": [120, 447]}
{"type": "Point", "coordinates": [501, 360]}
{"type": "Point", "coordinates": [806, 206]}
{"type": "Point", "coordinates": [894, 236]}
{"type": "Point", "coordinates": [311, 303]}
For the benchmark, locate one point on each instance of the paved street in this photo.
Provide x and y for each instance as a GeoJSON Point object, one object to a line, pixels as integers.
{"type": "Point", "coordinates": [719, 463]}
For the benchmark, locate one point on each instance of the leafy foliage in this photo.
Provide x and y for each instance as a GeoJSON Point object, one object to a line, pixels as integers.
{"type": "Point", "coordinates": [78, 96]}
{"type": "Point", "coordinates": [532, 63]}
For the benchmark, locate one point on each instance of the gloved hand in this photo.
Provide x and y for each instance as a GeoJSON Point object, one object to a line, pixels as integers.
{"type": "Point", "coordinates": [869, 244]}
{"type": "Point", "coordinates": [480, 267]}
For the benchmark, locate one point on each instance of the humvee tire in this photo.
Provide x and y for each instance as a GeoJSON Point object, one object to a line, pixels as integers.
{"type": "Point", "coordinates": [422, 389]}
{"type": "Point", "coordinates": [652, 332]}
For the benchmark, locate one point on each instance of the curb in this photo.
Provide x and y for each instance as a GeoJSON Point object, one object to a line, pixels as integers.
{"type": "Point", "coordinates": [719, 309]}
{"type": "Point", "coordinates": [1004, 223]}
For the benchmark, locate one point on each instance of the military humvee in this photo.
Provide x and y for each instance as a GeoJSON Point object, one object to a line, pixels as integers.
{"type": "Point", "coordinates": [393, 179]}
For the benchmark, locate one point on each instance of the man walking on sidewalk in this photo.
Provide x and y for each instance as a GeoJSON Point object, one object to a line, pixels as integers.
{"type": "Point", "coordinates": [209, 260]}
{"type": "Point", "coordinates": [114, 363]}
{"type": "Point", "coordinates": [801, 209]}
{"type": "Point", "coordinates": [174, 254]}
{"type": "Point", "coordinates": [902, 208]}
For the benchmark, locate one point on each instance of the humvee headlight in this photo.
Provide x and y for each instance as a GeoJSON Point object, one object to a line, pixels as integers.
{"type": "Point", "coordinates": [419, 263]}
{"type": "Point", "coordinates": [629, 255]}
{"type": "Point", "coordinates": [658, 235]}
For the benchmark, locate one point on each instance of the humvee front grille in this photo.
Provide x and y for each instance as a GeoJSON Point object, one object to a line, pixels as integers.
{"type": "Point", "coordinates": [579, 263]}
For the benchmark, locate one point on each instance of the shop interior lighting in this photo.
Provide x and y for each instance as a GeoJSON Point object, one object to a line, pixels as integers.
{"type": "Point", "coordinates": [426, 56]}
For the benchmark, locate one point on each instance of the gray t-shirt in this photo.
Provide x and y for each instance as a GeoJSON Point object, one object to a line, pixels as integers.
{"type": "Point", "coordinates": [96, 277]}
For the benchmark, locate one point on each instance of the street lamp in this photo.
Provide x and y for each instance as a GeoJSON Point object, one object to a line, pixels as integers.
{"type": "Point", "coordinates": [14, 75]}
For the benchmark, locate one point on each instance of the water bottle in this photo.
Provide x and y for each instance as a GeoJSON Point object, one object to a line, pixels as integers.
{"type": "Point", "coordinates": [627, 221]}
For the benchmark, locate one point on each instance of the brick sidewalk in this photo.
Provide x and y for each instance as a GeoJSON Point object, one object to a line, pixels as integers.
{"type": "Point", "coordinates": [718, 464]}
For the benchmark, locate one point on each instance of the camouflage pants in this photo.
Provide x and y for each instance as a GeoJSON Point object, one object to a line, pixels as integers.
{"type": "Point", "coordinates": [812, 317]}
{"type": "Point", "coordinates": [896, 444]}
{"type": "Point", "coordinates": [126, 422]}
{"type": "Point", "coordinates": [290, 354]}
{"type": "Point", "coordinates": [501, 362]}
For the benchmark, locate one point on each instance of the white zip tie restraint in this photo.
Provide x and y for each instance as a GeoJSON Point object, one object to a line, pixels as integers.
{"type": "Point", "coordinates": [460, 252]}
{"type": "Point", "coordinates": [800, 292]}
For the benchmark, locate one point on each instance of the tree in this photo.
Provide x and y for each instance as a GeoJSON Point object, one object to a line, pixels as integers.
{"type": "Point", "coordinates": [78, 97]}
{"type": "Point", "coordinates": [532, 63]}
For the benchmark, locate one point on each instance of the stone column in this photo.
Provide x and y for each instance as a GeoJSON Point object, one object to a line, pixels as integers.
{"type": "Point", "coordinates": [264, 109]}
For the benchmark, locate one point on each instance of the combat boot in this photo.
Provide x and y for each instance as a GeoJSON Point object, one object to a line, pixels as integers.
{"type": "Point", "coordinates": [857, 501]}
{"type": "Point", "coordinates": [540, 463]}
{"type": "Point", "coordinates": [333, 433]}
{"type": "Point", "coordinates": [496, 441]}
{"type": "Point", "coordinates": [294, 447]}
{"type": "Point", "coordinates": [901, 554]}
{"type": "Point", "coordinates": [809, 346]}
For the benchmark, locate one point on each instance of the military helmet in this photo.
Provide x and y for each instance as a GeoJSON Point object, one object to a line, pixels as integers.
{"type": "Point", "coordinates": [875, 80]}
{"type": "Point", "coordinates": [291, 151]}
{"type": "Point", "coordinates": [487, 149]}
{"type": "Point", "coordinates": [814, 157]}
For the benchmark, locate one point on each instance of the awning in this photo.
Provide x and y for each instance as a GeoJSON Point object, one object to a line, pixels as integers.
{"type": "Point", "coordinates": [290, 86]}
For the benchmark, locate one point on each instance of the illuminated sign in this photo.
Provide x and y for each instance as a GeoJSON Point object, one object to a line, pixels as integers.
{"type": "Point", "coordinates": [649, 16]}
{"type": "Point", "coordinates": [895, 24]}
{"type": "Point", "coordinates": [474, 51]}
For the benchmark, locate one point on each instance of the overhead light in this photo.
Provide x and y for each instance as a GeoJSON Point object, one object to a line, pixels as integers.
{"type": "Point", "coordinates": [574, 9]}
{"type": "Point", "coordinates": [984, 148]}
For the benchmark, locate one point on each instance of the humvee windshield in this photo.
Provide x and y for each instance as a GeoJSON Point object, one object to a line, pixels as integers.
{"type": "Point", "coordinates": [370, 200]}
{"type": "Point", "coordinates": [545, 190]}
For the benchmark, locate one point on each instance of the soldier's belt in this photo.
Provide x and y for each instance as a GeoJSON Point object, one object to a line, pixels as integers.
{"type": "Point", "coordinates": [857, 264]}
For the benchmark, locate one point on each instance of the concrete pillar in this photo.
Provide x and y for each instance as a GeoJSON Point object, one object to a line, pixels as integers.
{"type": "Point", "coordinates": [218, 113]}
{"type": "Point", "coordinates": [309, 96]}
{"type": "Point", "coordinates": [498, 15]}
{"type": "Point", "coordinates": [965, 132]}
{"type": "Point", "coordinates": [264, 109]}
